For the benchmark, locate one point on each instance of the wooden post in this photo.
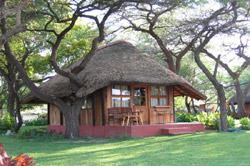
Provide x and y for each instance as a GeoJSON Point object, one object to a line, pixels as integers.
{"type": "Point", "coordinates": [48, 108]}
{"type": "Point", "coordinates": [173, 105]}
{"type": "Point", "coordinates": [93, 107]}
{"type": "Point", "coordinates": [102, 107]}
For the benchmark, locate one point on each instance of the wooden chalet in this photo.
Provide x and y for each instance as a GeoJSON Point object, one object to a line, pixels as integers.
{"type": "Point", "coordinates": [233, 101]}
{"type": "Point", "coordinates": [127, 93]}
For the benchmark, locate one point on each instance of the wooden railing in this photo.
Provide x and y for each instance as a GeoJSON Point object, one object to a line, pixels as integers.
{"type": "Point", "coordinates": [163, 111]}
{"type": "Point", "coordinates": [124, 114]}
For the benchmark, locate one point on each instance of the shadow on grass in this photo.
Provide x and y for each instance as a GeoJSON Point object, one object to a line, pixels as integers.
{"type": "Point", "coordinates": [191, 149]}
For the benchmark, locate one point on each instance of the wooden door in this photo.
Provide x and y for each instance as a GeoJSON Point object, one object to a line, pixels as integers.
{"type": "Point", "coordinates": [140, 102]}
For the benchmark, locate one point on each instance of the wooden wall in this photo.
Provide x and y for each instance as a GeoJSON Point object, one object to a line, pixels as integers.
{"type": "Point", "coordinates": [85, 117]}
{"type": "Point", "coordinates": [247, 107]}
{"type": "Point", "coordinates": [54, 115]}
{"type": "Point", "coordinates": [98, 107]}
{"type": "Point", "coordinates": [101, 104]}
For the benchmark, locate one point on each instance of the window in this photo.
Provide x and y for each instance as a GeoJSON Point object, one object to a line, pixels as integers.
{"type": "Point", "coordinates": [120, 96]}
{"type": "Point", "coordinates": [87, 103]}
{"type": "Point", "coordinates": [159, 96]}
{"type": "Point", "coordinates": [140, 96]}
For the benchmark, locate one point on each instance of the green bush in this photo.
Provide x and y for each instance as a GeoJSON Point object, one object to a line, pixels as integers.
{"type": "Point", "coordinates": [186, 117]}
{"type": "Point", "coordinates": [212, 121]}
{"type": "Point", "coordinates": [245, 123]}
{"type": "Point", "coordinates": [40, 133]}
{"type": "Point", "coordinates": [230, 122]}
{"type": "Point", "coordinates": [37, 122]}
{"type": "Point", "coordinates": [7, 123]}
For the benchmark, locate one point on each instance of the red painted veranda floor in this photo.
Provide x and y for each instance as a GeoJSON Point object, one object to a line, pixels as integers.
{"type": "Point", "coordinates": [135, 130]}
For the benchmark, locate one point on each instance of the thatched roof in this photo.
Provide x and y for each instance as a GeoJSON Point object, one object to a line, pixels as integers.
{"type": "Point", "coordinates": [234, 99]}
{"type": "Point", "coordinates": [119, 62]}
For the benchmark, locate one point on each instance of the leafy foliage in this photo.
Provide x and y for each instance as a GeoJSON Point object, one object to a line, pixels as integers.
{"type": "Point", "coordinates": [184, 117]}
{"type": "Point", "coordinates": [40, 133]}
{"type": "Point", "coordinates": [7, 123]}
{"type": "Point", "coordinates": [20, 160]}
{"type": "Point", "coordinates": [210, 120]}
{"type": "Point", "coordinates": [37, 122]}
{"type": "Point", "coordinates": [245, 123]}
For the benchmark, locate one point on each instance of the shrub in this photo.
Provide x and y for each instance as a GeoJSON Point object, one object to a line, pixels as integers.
{"type": "Point", "coordinates": [230, 122]}
{"type": "Point", "coordinates": [40, 133]}
{"type": "Point", "coordinates": [19, 160]}
{"type": "Point", "coordinates": [212, 121]}
{"type": "Point", "coordinates": [186, 117]}
{"type": "Point", "coordinates": [245, 123]}
{"type": "Point", "coordinates": [37, 122]}
{"type": "Point", "coordinates": [7, 123]}
{"type": "Point", "coordinates": [202, 117]}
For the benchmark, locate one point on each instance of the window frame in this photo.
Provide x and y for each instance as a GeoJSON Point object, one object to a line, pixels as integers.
{"type": "Point", "coordinates": [140, 96]}
{"type": "Point", "coordinates": [87, 102]}
{"type": "Point", "coordinates": [159, 96]}
{"type": "Point", "coordinates": [121, 96]}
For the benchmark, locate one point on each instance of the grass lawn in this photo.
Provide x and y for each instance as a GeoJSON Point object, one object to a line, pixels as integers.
{"type": "Point", "coordinates": [202, 149]}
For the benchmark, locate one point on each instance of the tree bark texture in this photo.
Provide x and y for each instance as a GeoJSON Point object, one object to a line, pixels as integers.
{"type": "Point", "coordinates": [187, 104]}
{"type": "Point", "coordinates": [240, 100]}
{"type": "Point", "coordinates": [193, 106]}
{"type": "Point", "coordinates": [223, 108]}
{"type": "Point", "coordinates": [71, 113]}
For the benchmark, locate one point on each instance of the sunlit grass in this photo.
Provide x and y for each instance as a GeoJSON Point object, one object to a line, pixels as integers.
{"type": "Point", "coordinates": [206, 149]}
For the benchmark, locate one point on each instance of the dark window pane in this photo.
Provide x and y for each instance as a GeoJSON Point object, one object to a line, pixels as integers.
{"type": "Point", "coordinates": [126, 90]}
{"type": "Point", "coordinates": [116, 90]}
{"type": "Point", "coordinates": [143, 91]}
{"type": "Point", "coordinates": [116, 102]}
{"type": "Point", "coordinates": [126, 102]}
{"type": "Point", "coordinates": [137, 101]}
{"type": "Point", "coordinates": [143, 101]}
{"type": "Point", "coordinates": [89, 103]}
{"type": "Point", "coordinates": [137, 92]}
{"type": "Point", "coordinates": [154, 91]}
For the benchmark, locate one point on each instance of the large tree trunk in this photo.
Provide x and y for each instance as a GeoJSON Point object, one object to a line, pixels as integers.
{"type": "Point", "coordinates": [187, 104]}
{"type": "Point", "coordinates": [18, 124]}
{"type": "Point", "coordinates": [72, 124]}
{"type": "Point", "coordinates": [223, 108]}
{"type": "Point", "coordinates": [220, 91]}
{"type": "Point", "coordinates": [240, 100]}
{"type": "Point", "coordinates": [11, 100]}
{"type": "Point", "coordinates": [71, 114]}
{"type": "Point", "coordinates": [193, 106]}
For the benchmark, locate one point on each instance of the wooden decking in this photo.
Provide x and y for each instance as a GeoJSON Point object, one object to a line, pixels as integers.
{"type": "Point", "coordinates": [134, 131]}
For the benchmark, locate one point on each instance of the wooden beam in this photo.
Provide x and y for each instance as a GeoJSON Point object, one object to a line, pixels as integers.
{"type": "Point", "coordinates": [179, 91]}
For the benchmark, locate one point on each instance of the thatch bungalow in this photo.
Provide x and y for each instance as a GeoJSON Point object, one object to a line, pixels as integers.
{"type": "Point", "coordinates": [233, 101]}
{"type": "Point", "coordinates": [127, 93]}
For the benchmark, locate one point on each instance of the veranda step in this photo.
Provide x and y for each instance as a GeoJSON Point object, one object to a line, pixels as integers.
{"type": "Point", "coordinates": [179, 130]}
